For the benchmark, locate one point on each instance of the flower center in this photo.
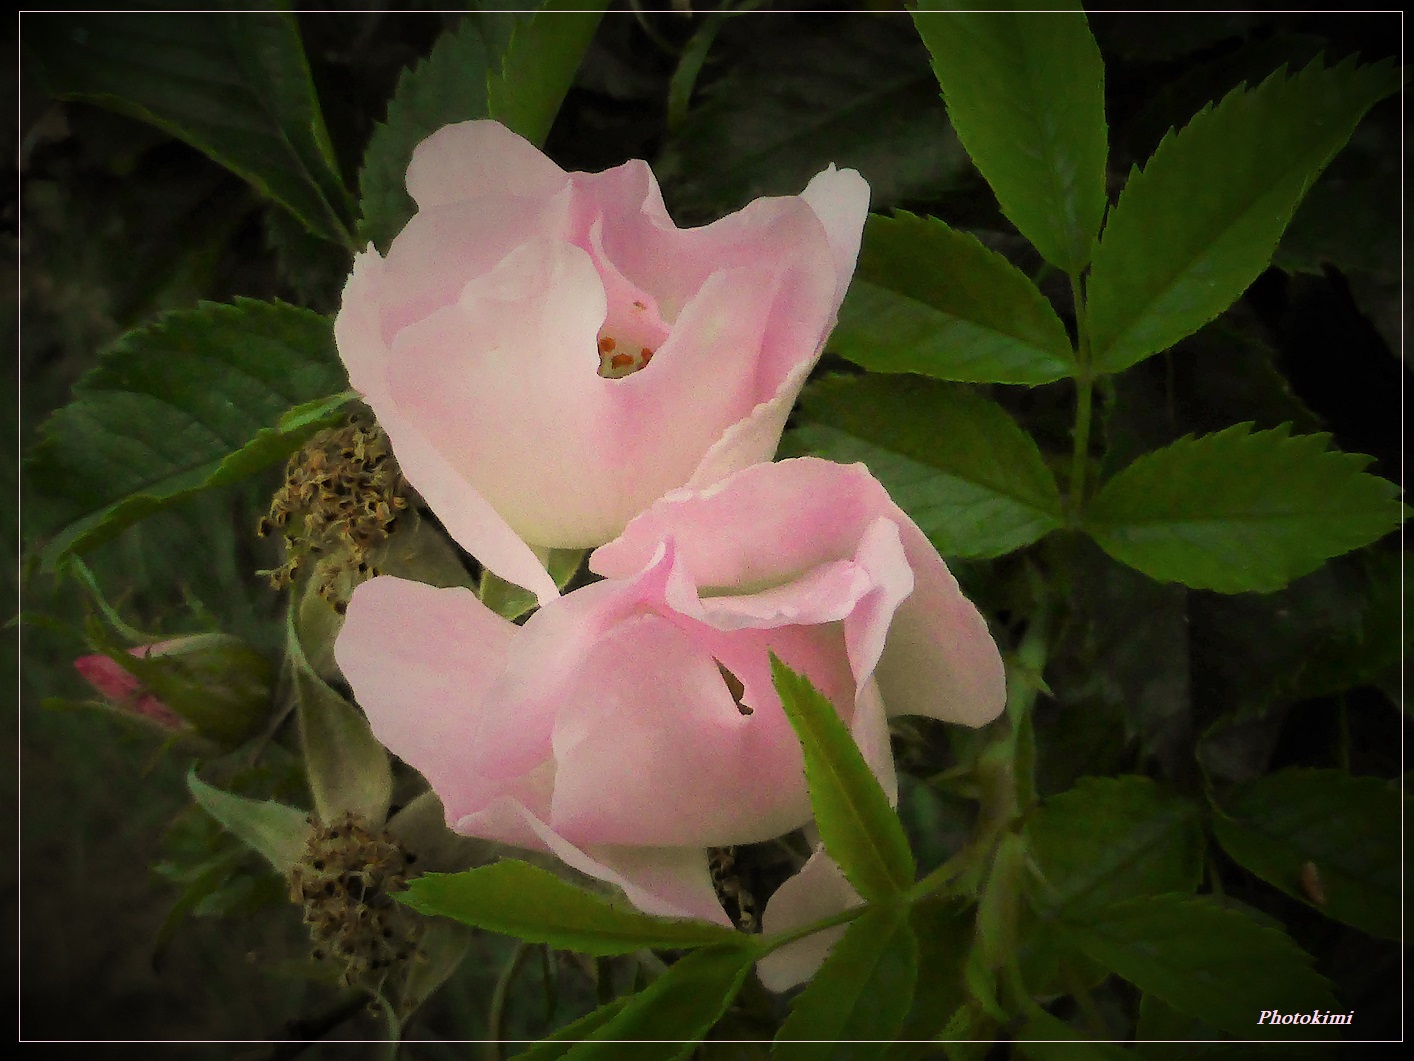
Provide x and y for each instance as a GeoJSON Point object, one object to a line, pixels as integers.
{"type": "Point", "coordinates": [617, 359]}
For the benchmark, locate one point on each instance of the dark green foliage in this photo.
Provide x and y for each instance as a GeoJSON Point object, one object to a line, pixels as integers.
{"type": "Point", "coordinates": [804, 91]}
{"type": "Point", "coordinates": [971, 479]}
{"type": "Point", "coordinates": [1241, 510]}
{"type": "Point", "coordinates": [929, 299]}
{"type": "Point", "coordinates": [235, 85]}
{"type": "Point", "coordinates": [1201, 220]}
{"type": "Point", "coordinates": [1205, 959]}
{"type": "Point", "coordinates": [862, 992]}
{"type": "Point", "coordinates": [1026, 94]}
{"type": "Point", "coordinates": [1323, 837]}
{"type": "Point", "coordinates": [198, 399]}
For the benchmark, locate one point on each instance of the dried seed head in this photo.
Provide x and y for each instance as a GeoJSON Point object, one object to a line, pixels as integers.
{"type": "Point", "coordinates": [346, 883]}
{"type": "Point", "coordinates": [340, 499]}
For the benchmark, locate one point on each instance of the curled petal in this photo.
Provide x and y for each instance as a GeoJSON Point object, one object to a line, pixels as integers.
{"type": "Point", "coordinates": [476, 158]}
{"type": "Point", "coordinates": [938, 658]}
{"type": "Point", "coordinates": [753, 439]}
{"type": "Point", "coordinates": [666, 881]}
{"type": "Point", "coordinates": [818, 891]}
{"type": "Point", "coordinates": [840, 199]}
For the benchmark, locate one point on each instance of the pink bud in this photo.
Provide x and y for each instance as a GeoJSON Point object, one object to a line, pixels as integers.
{"type": "Point", "coordinates": [124, 689]}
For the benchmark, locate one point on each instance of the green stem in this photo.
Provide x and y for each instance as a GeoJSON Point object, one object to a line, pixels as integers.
{"type": "Point", "coordinates": [1094, 1019]}
{"type": "Point", "coordinates": [1084, 394]}
{"type": "Point", "coordinates": [496, 1018]}
{"type": "Point", "coordinates": [943, 876]}
{"type": "Point", "coordinates": [801, 931]}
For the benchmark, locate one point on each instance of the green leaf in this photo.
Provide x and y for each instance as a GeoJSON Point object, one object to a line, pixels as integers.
{"type": "Point", "coordinates": [449, 86]}
{"type": "Point", "coordinates": [677, 1009]}
{"type": "Point", "coordinates": [1241, 510]}
{"type": "Point", "coordinates": [929, 299]}
{"type": "Point", "coordinates": [180, 406]}
{"type": "Point", "coordinates": [560, 1042]}
{"type": "Point", "coordinates": [1026, 94]}
{"type": "Point", "coordinates": [1205, 960]}
{"type": "Point", "coordinates": [799, 94]}
{"type": "Point", "coordinates": [956, 462]}
{"type": "Point", "coordinates": [510, 601]}
{"type": "Point", "coordinates": [1324, 837]}
{"type": "Point", "coordinates": [1198, 224]}
{"type": "Point", "coordinates": [278, 832]}
{"type": "Point", "coordinates": [233, 84]}
{"type": "Point", "coordinates": [694, 56]}
{"type": "Point", "coordinates": [943, 928]}
{"type": "Point", "coordinates": [348, 769]}
{"type": "Point", "coordinates": [539, 67]}
{"type": "Point", "coordinates": [861, 992]}
{"type": "Point", "coordinates": [1164, 1034]}
{"type": "Point", "coordinates": [859, 829]}
{"type": "Point", "coordinates": [1110, 839]}
{"type": "Point", "coordinates": [999, 908]}
{"type": "Point", "coordinates": [533, 904]}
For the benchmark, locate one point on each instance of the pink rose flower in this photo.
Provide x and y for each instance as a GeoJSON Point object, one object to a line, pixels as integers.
{"type": "Point", "coordinates": [549, 353]}
{"type": "Point", "coordinates": [124, 690]}
{"type": "Point", "coordinates": [632, 724]}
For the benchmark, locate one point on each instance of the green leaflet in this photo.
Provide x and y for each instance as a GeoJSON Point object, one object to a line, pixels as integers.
{"type": "Point", "coordinates": [956, 462]}
{"type": "Point", "coordinates": [1206, 960]}
{"type": "Point", "coordinates": [1240, 509]}
{"type": "Point", "coordinates": [860, 830]}
{"type": "Point", "coordinates": [853, 90]}
{"type": "Point", "coordinates": [276, 831]}
{"type": "Point", "coordinates": [179, 406]}
{"type": "Point", "coordinates": [999, 908]}
{"type": "Point", "coordinates": [1324, 837]}
{"type": "Point", "coordinates": [1110, 839]}
{"type": "Point", "coordinates": [1201, 220]}
{"type": "Point", "coordinates": [533, 904]}
{"type": "Point", "coordinates": [694, 56]}
{"type": "Point", "coordinates": [861, 992]}
{"type": "Point", "coordinates": [233, 84]}
{"type": "Point", "coordinates": [1026, 94]}
{"type": "Point", "coordinates": [348, 769]}
{"type": "Point", "coordinates": [448, 86]}
{"type": "Point", "coordinates": [560, 1042]}
{"type": "Point", "coordinates": [511, 601]}
{"type": "Point", "coordinates": [943, 929]}
{"type": "Point", "coordinates": [677, 1009]}
{"type": "Point", "coordinates": [539, 65]}
{"type": "Point", "coordinates": [929, 299]}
